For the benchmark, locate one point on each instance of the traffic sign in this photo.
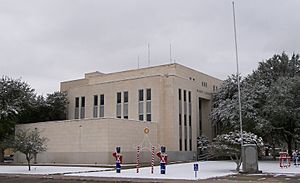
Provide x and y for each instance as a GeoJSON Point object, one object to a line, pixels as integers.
{"type": "Point", "coordinates": [196, 168]}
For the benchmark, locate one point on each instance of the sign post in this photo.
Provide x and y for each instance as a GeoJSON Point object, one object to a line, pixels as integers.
{"type": "Point", "coordinates": [196, 169]}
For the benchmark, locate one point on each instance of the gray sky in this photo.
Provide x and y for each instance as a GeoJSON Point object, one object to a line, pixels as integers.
{"type": "Point", "coordinates": [45, 42]}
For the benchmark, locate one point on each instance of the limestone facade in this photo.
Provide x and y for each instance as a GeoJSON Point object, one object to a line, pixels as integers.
{"type": "Point", "coordinates": [109, 110]}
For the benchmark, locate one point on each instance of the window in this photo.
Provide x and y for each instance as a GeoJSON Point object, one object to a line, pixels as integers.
{"type": "Point", "coordinates": [95, 108]}
{"type": "Point", "coordinates": [148, 117]}
{"type": "Point", "coordinates": [200, 116]}
{"type": "Point", "coordinates": [141, 105]}
{"type": "Point", "coordinates": [185, 118]}
{"type": "Point", "coordinates": [125, 96]}
{"type": "Point", "coordinates": [180, 144]}
{"type": "Point", "coordinates": [101, 106]}
{"type": "Point", "coordinates": [82, 101]}
{"type": "Point", "coordinates": [102, 99]}
{"type": "Point", "coordinates": [185, 132]}
{"type": "Point", "coordinates": [77, 102]}
{"type": "Point", "coordinates": [148, 94]}
{"type": "Point", "coordinates": [82, 110]}
{"type": "Point", "coordinates": [119, 98]}
{"type": "Point", "coordinates": [215, 88]}
{"type": "Point", "coordinates": [125, 105]}
{"type": "Point", "coordinates": [125, 112]}
{"type": "Point", "coordinates": [180, 118]}
{"type": "Point", "coordinates": [141, 95]}
{"type": "Point", "coordinates": [77, 108]}
{"type": "Point", "coordinates": [190, 133]}
{"type": "Point", "coordinates": [190, 120]}
{"type": "Point", "coordinates": [119, 105]}
{"type": "Point", "coordinates": [180, 133]}
{"type": "Point", "coordinates": [179, 94]}
{"type": "Point", "coordinates": [95, 100]}
{"type": "Point", "coordinates": [141, 111]}
{"type": "Point", "coordinates": [180, 103]}
{"type": "Point", "coordinates": [141, 102]}
{"type": "Point", "coordinates": [148, 105]}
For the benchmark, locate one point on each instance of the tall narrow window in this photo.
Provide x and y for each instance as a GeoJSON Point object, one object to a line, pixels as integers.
{"type": "Point", "coordinates": [179, 94]}
{"type": "Point", "coordinates": [148, 105]}
{"type": "Point", "coordinates": [82, 110]}
{"type": "Point", "coordinates": [77, 108]}
{"type": "Point", "coordinates": [148, 94]}
{"type": "Point", "coordinates": [119, 104]}
{"type": "Point", "coordinates": [125, 105]}
{"type": "Point", "coordinates": [185, 134]}
{"type": "Point", "coordinates": [180, 119]}
{"type": "Point", "coordinates": [190, 120]}
{"type": "Point", "coordinates": [180, 144]}
{"type": "Point", "coordinates": [101, 106]}
{"type": "Point", "coordinates": [200, 116]}
{"type": "Point", "coordinates": [185, 119]}
{"type": "Point", "coordinates": [141, 105]}
{"type": "Point", "coordinates": [95, 108]}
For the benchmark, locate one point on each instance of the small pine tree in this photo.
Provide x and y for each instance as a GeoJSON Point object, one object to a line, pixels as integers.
{"type": "Point", "coordinates": [30, 143]}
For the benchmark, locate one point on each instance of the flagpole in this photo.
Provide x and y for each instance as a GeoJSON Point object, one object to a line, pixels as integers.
{"type": "Point", "coordinates": [237, 74]}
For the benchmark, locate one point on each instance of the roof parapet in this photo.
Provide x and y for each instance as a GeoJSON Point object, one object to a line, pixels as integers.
{"type": "Point", "coordinates": [92, 74]}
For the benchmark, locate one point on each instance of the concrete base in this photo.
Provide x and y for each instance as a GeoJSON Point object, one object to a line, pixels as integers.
{"type": "Point", "coordinates": [250, 159]}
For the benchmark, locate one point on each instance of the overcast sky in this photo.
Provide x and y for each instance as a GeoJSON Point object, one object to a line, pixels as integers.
{"type": "Point", "coordinates": [44, 42]}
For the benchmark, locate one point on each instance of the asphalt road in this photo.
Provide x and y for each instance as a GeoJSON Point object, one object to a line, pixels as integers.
{"type": "Point", "coordinates": [228, 179]}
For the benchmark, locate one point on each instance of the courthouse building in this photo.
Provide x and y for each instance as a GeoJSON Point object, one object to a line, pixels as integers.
{"type": "Point", "coordinates": [109, 110]}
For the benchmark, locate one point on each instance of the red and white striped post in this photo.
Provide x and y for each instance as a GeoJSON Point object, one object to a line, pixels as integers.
{"type": "Point", "coordinates": [152, 160]}
{"type": "Point", "coordinates": [138, 159]}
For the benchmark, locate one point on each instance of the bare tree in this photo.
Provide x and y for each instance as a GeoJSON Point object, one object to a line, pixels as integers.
{"type": "Point", "coordinates": [30, 143]}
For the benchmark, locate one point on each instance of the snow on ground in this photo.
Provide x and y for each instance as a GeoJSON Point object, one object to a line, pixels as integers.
{"type": "Point", "coordinates": [46, 170]}
{"type": "Point", "coordinates": [207, 169]}
{"type": "Point", "coordinates": [185, 171]}
{"type": "Point", "coordinates": [274, 168]}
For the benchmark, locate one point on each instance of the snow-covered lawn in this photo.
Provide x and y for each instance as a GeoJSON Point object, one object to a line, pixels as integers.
{"type": "Point", "coordinates": [207, 169]}
{"type": "Point", "coordinates": [185, 171]}
{"type": "Point", "coordinates": [274, 168]}
{"type": "Point", "coordinates": [46, 170]}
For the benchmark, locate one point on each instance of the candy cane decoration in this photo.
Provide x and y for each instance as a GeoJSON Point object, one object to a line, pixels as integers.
{"type": "Point", "coordinates": [152, 160]}
{"type": "Point", "coordinates": [138, 159]}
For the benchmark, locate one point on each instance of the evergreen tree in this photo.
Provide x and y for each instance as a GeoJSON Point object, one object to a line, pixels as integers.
{"type": "Point", "coordinates": [274, 79]}
{"type": "Point", "coordinates": [15, 95]}
{"type": "Point", "coordinates": [50, 108]}
{"type": "Point", "coordinates": [283, 109]}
